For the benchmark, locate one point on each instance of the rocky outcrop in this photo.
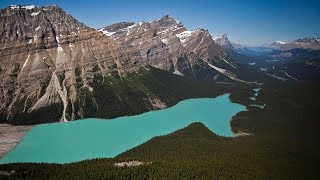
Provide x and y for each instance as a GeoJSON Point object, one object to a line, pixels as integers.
{"type": "Point", "coordinates": [131, 163]}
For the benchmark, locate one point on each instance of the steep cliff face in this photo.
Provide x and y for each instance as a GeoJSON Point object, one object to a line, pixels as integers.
{"type": "Point", "coordinates": [166, 44]}
{"type": "Point", "coordinates": [47, 58]}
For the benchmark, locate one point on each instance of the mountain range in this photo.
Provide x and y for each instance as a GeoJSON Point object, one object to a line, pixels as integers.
{"type": "Point", "coordinates": [166, 44]}
{"type": "Point", "coordinates": [303, 43]}
{"type": "Point", "coordinates": [278, 49]}
{"type": "Point", "coordinates": [50, 62]}
{"type": "Point", "coordinates": [296, 60]}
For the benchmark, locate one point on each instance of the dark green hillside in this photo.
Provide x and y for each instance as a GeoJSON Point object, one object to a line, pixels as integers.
{"type": "Point", "coordinates": [128, 96]}
{"type": "Point", "coordinates": [114, 96]}
{"type": "Point", "coordinates": [284, 145]}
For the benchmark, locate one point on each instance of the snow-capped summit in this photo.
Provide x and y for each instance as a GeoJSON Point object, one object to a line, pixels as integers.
{"type": "Point", "coordinates": [281, 42]}
{"type": "Point", "coordinates": [223, 41]}
{"type": "Point", "coordinates": [166, 21]}
{"type": "Point", "coordinates": [163, 25]}
{"type": "Point", "coordinates": [275, 45]}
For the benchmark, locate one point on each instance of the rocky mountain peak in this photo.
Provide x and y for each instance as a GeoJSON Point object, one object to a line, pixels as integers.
{"type": "Point", "coordinates": [225, 36]}
{"type": "Point", "coordinates": [166, 44]}
{"type": "Point", "coordinates": [41, 25]}
{"type": "Point", "coordinates": [223, 41]}
{"type": "Point", "coordinates": [168, 18]}
{"type": "Point", "coordinates": [167, 21]}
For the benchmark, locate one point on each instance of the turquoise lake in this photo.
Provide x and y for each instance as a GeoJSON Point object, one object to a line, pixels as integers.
{"type": "Point", "coordinates": [96, 138]}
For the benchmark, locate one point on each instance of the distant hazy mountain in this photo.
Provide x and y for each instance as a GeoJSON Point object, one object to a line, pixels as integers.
{"type": "Point", "coordinates": [296, 60]}
{"type": "Point", "coordinates": [278, 48]}
{"type": "Point", "coordinates": [236, 52]}
{"type": "Point", "coordinates": [304, 43]}
{"type": "Point", "coordinates": [297, 50]}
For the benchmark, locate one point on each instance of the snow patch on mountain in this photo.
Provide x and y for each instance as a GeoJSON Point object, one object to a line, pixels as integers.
{"type": "Point", "coordinates": [227, 73]}
{"type": "Point", "coordinates": [25, 63]}
{"type": "Point", "coordinates": [16, 7]}
{"type": "Point", "coordinates": [35, 13]}
{"type": "Point", "coordinates": [177, 72]}
{"type": "Point", "coordinates": [223, 71]}
{"type": "Point", "coordinates": [277, 77]}
{"type": "Point", "coordinates": [107, 33]}
{"type": "Point", "coordinates": [228, 63]}
{"type": "Point", "coordinates": [37, 28]}
{"type": "Point", "coordinates": [263, 69]}
{"type": "Point", "coordinates": [289, 75]}
{"type": "Point", "coordinates": [165, 41]}
{"type": "Point", "coordinates": [127, 29]}
{"type": "Point", "coordinates": [184, 36]}
{"type": "Point", "coordinates": [281, 42]}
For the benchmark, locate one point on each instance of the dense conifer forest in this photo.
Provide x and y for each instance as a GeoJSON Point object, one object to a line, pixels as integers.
{"type": "Point", "coordinates": [283, 144]}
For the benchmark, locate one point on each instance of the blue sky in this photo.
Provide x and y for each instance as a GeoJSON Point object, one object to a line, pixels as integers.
{"type": "Point", "coordinates": [245, 21]}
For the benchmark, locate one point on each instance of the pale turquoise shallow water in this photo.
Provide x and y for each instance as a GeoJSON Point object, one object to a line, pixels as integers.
{"type": "Point", "coordinates": [96, 138]}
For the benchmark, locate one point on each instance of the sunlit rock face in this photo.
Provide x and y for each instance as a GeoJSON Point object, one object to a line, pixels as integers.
{"type": "Point", "coordinates": [47, 56]}
{"type": "Point", "coordinates": [167, 44]}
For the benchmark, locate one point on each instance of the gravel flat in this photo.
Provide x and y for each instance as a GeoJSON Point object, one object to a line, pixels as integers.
{"type": "Point", "coordinates": [10, 137]}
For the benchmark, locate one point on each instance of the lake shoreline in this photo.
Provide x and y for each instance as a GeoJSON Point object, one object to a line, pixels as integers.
{"type": "Point", "coordinates": [10, 137]}
{"type": "Point", "coordinates": [187, 107]}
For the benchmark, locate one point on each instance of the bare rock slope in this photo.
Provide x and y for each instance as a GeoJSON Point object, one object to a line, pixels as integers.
{"type": "Point", "coordinates": [47, 58]}
{"type": "Point", "coordinates": [166, 44]}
